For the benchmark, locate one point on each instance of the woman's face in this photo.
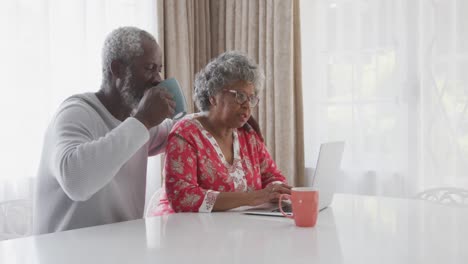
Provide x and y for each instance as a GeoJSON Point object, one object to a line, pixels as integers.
{"type": "Point", "coordinates": [225, 105]}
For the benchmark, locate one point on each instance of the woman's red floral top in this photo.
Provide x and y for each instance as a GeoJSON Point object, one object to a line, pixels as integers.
{"type": "Point", "coordinates": [196, 171]}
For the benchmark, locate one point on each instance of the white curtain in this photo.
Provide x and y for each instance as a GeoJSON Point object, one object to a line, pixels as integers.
{"type": "Point", "coordinates": [390, 77]}
{"type": "Point", "coordinates": [50, 49]}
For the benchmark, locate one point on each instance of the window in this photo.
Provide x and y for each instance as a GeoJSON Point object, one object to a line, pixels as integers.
{"type": "Point", "coordinates": [50, 50]}
{"type": "Point", "coordinates": [388, 78]}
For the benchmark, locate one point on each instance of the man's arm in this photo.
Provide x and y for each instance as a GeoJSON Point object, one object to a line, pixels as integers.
{"type": "Point", "coordinates": [158, 137]}
{"type": "Point", "coordinates": [83, 164]}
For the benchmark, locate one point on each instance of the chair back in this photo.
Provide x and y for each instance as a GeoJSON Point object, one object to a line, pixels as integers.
{"type": "Point", "coordinates": [15, 219]}
{"type": "Point", "coordinates": [153, 202]}
{"type": "Point", "coordinates": [447, 195]}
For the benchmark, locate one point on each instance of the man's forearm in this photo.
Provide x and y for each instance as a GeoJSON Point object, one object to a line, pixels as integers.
{"type": "Point", "coordinates": [84, 167]}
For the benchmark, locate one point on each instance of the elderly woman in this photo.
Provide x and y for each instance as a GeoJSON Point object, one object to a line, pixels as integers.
{"type": "Point", "coordinates": [214, 160]}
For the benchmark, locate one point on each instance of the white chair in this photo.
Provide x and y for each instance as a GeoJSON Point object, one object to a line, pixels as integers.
{"type": "Point", "coordinates": [15, 219]}
{"type": "Point", "coordinates": [448, 195]}
{"type": "Point", "coordinates": [153, 203]}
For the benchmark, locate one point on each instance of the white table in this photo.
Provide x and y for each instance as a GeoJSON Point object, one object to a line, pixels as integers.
{"type": "Point", "coordinates": [356, 229]}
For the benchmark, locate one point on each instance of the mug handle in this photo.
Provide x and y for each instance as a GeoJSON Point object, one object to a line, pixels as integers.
{"type": "Point", "coordinates": [281, 207]}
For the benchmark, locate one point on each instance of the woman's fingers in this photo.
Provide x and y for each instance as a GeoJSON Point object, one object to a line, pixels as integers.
{"type": "Point", "coordinates": [274, 196]}
{"type": "Point", "coordinates": [281, 188]}
{"type": "Point", "coordinates": [274, 191]}
{"type": "Point", "coordinates": [286, 185]}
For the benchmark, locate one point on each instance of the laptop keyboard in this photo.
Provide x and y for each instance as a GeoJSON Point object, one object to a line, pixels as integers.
{"type": "Point", "coordinates": [287, 208]}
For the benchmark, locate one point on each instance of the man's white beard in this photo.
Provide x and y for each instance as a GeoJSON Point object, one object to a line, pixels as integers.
{"type": "Point", "coordinates": [129, 96]}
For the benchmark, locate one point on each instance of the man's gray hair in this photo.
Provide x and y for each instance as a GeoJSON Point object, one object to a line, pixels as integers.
{"type": "Point", "coordinates": [226, 69]}
{"type": "Point", "coordinates": [124, 44]}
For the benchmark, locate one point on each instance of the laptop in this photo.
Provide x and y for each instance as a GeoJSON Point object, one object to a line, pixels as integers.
{"type": "Point", "coordinates": [324, 179]}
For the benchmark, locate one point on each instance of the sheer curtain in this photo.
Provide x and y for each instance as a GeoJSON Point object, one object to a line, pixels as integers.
{"type": "Point", "coordinates": [388, 77]}
{"type": "Point", "coordinates": [50, 49]}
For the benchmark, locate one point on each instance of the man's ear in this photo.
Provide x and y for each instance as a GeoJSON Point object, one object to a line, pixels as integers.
{"type": "Point", "coordinates": [213, 100]}
{"type": "Point", "coordinates": [117, 69]}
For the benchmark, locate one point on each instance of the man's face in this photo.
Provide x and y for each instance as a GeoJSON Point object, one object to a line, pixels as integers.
{"type": "Point", "coordinates": [142, 74]}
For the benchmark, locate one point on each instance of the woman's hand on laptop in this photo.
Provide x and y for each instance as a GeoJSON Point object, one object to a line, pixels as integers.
{"type": "Point", "coordinates": [281, 188]}
{"type": "Point", "coordinates": [270, 193]}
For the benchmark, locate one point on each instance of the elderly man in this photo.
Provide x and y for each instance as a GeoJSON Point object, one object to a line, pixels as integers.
{"type": "Point", "coordinates": [93, 166]}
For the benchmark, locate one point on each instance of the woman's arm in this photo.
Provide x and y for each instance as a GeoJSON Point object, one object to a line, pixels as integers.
{"type": "Point", "coordinates": [273, 185]}
{"type": "Point", "coordinates": [229, 200]}
{"type": "Point", "coordinates": [268, 170]}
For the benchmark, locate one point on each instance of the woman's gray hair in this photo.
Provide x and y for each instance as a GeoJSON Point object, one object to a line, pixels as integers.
{"type": "Point", "coordinates": [125, 44]}
{"type": "Point", "coordinates": [227, 68]}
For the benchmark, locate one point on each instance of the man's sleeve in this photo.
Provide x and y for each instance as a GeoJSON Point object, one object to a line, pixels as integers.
{"type": "Point", "coordinates": [158, 137]}
{"type": "Point", "coordinates": [83, 164]}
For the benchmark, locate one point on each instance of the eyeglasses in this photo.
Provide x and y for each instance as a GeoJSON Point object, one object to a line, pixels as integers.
{"type": "Point", "coordinates": [241, 98]}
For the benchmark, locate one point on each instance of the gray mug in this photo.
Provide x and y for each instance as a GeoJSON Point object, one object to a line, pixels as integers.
{"type": "Point", "coordinates": [173, 87]}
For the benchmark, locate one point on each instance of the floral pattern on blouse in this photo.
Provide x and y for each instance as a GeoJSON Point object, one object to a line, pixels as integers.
{"type": "Point", "coordinates": [196, 170]}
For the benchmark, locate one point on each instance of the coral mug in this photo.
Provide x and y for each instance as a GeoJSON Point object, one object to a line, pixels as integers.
{"type": "Point", "coordinates": [304, 202]}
